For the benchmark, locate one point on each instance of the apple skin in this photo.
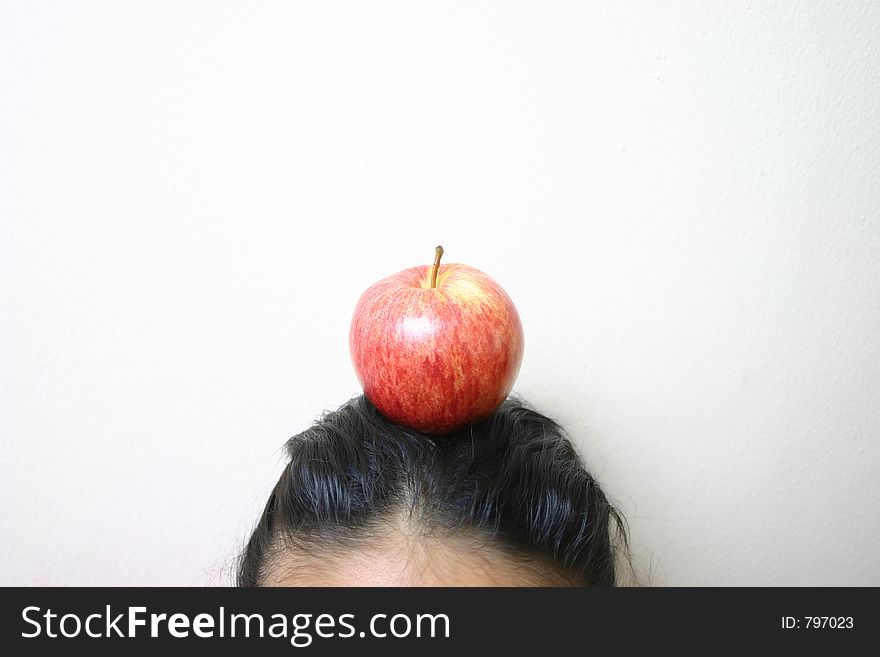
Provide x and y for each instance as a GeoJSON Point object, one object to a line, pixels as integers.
{"type": "Point", "coordinates": [436, 359]}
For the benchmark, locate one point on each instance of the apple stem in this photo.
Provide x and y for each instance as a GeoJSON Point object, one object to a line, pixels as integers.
{"type": "Point", "coordinates": [438, 253]}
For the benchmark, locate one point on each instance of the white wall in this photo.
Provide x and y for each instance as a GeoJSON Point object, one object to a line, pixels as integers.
{"type": "Point", "coordinates": [683, 201]}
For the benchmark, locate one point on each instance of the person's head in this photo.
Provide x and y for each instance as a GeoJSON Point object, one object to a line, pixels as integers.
{"type": "Point", "coordinates": [505, 501]}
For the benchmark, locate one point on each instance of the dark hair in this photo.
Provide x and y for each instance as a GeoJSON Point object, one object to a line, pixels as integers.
{"type": "Point", "coordinates": [513, 477]}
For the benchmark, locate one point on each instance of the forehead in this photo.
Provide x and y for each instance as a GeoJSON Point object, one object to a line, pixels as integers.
{"type": "Point", "coordinates": [428, 562]}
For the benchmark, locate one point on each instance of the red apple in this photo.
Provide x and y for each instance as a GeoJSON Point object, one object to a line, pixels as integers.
{"type": "Point", "coordinates": [436, 348]}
